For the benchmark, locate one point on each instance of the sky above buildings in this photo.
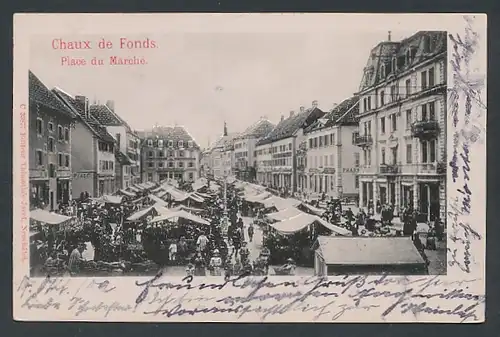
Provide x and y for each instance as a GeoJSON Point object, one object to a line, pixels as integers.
{"type": "Point", "coordinates": [200, 80]}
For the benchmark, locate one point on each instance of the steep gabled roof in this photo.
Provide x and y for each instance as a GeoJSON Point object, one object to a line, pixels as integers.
{"type": "Point", "coordinates": [106, 116]}
{"type": "Point", "coordinates": [40, 94]}
{"type": "Point", "coordinates": [224, 142]}
{"type": "Point", "coordinates": [344, 113]}
{"type": "Point", "coordinates": [287, 127]}
{"type": "Point", "coordinates": [258, 130]}
{"type": "Point", "coordinates": [93, 124]}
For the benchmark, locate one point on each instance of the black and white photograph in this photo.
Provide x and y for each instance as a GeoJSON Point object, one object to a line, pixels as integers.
{"type": "Point", "coordinates": [268, 168]}
{"type": "Point", "coordinates": [250, 157]}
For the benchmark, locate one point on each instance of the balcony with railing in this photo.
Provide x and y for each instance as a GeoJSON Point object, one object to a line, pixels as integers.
{"type": "Point", "coordinates": [363, 140]}
{"type": "Point", "coordinates": [424, 130]}
{"type": "Point", "coordinates": [389, 169]}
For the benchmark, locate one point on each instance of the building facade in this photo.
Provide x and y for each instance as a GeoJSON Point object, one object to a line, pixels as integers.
{"type": "Point", "coordinates": [93, 150]}
{"type": "Point", "coordinates": [332, 162]}
{"type": "Point", "coordinates": [402, 127]}
{"type": "Point", "coordinates": [220, 156]}
{"type": "Point", "coordinates": [245, 149]}
{"type": "Point", "coordinates": [169, 153]}
{"type": "Point", "coordinates": [127, 151]}
{"type": "Point", "coordinates": [264, 163]}
{"type": "Point", "coordinates": [284, 140]}
{"type": "Point", "coordinates": [50, 137]}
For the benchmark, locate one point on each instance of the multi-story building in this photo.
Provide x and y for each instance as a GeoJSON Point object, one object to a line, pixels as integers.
{"type": "Point", "coordinates": [284, 139]}
{"type": "Point", "coordinates": [93, 150]}
{"type": "Point", "coordinates": [221, 157]}
{"type": "Point", "coordinates": [205, 166]}
{"type": "Point", "coordinates": [127, 151]}
{"type": "Point", "coordinates": [332, 160]}
{"type": "Point", "coordinates": [50, 138]}
{"type": "Point", "coordinates": [169, 153]}
{"type": "Point", "coordinates": [402, 124]}
{"type": "Point", "coordinates": [264, 162]}
{"type": "Point", "coordinates": [244, 149]}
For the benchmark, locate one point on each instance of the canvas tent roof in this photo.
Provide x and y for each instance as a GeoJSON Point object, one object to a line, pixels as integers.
{"type": "Point", "coordinates": [180, 214]}
{"type": "Point", "coordinates": [299, 222]}
{"type": "Point", "coordinates": [156, 199]}
{"type": "Point", "coordinates": [48, 217]}
{"type": "Point", "coordinates": [127, 193]}
{"type": "Point", "coordinates": [280, 203]}
{"type": "Point", "coordinates": [257, 197]}
{"type": "Point", "coordinates": [315, 210]}
{"type": "Point", "coordinates": [147, 211]}
{"type": "Point", "coordinates": [284, 214]}
{"type": "Point", "coordinates": [133, 189]}
{"type": "Point", "coordinates": [368, 250]}
{"type": "Point", "coordinates": [196, 197]}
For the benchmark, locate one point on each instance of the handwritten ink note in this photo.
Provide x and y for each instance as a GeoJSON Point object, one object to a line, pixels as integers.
{"type": "Point", "coordinates": [266, 299]}
{"type": "Point", "coordinates": [466, 109]}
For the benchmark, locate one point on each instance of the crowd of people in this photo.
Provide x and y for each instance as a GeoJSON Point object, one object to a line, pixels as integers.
{"type": "Point", "coordinates": [218, 246]}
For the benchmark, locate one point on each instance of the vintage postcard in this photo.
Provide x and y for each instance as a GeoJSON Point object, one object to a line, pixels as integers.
{"type": "Point", "coordinates": [249, 167]}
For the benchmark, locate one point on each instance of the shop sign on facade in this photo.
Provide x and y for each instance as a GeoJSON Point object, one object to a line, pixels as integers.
{"type": "Point", "coordinates": [350, 170]}
{"type": "Point", "coordinates": [82, 175]}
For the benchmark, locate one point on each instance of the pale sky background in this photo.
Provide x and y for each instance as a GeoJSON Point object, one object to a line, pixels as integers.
{"type": "Point", "coordinates": [261, 75]}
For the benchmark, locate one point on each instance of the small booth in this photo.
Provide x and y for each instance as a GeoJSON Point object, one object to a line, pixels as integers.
{"type": "Point", "coordinates": [367, 255]}
{"type": "Point", "coordinates": [294, 236]}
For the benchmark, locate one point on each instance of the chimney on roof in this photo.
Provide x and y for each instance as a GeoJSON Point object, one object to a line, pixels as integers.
{"type": "Point", "coordinates": [111, 105]}
{"type": "Point", "coordinates": [292, 113]}
{"type": "Point", "coordinates": [82, 103]}
{"type": "Point", "coordinates": [314, 104]}
{"type": "Point", "coordinates": [302, 109]}
{"type": "Point", "coordinates": [389, 36]}
{"type": "Point", "coordinates": [282, 118]}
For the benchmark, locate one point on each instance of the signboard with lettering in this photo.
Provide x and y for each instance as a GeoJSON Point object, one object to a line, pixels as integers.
{"type": "Point", "coordinates": [351, 170]}
{"type": "Point", "coordinates": [82, 175]}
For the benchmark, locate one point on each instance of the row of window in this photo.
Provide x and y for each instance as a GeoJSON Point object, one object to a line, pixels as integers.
{"type": "Point", "coordinates": [264, 151]}
{"type": "Point", "coordinates": [427, 80]}
{"type": "Point", "coordinates": [170, 153]}
{"type": "Point", "coordinates": [428, 154]}
{"type": "Point", "coordinates": [282, 162]}
{"type": "Point", "coordinates": [170, 143]}
{"type": "Point", "coordinates": [281, 148]}
{"type": "Point", "coordinates": [320, 141]}
{"type": "Point", "coordinates": [106, 165]}
{"type": "Point", "coordinates": [320, 161]}
{"type": "Point", "coordinates": [427, 113]}
{"type": "Point", "coordinates": [170, 164]}
{"type": "Point", "coordinates": [62, 132]}
{"type": "Point", "coordinates": [170, 175]}
{"type": "Point", "coordinates": [239, 145]}
{"type": "Point", "coordinates": [243, 154]}
{"type": "Point", "coordinates": [63, 159]}
{"type": "Point", "coordinates": [106, 147]}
